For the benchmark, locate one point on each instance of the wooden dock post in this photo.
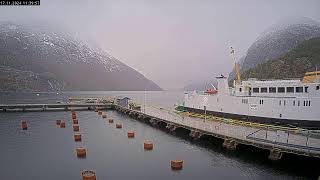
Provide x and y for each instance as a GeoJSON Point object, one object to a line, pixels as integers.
{"type": "Point", "coordinates": [275, 154]}
{"type": "Point", "coordinates": [230, 144]}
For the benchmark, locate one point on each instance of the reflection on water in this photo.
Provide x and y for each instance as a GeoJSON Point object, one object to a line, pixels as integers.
{"type": "Point", "coordinates": [48, 152]}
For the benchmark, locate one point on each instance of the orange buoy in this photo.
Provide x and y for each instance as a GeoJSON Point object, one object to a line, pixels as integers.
{"type": "Point", "coordinates": [88, 175]}
{"type": "Point", "coordinates": [110, 120]}
{"type": "Point", "coordinates": [104, 116]}
{"type": "Point", "coordinates": [77, 137]}
{"type": "Point", "coordinates": [58, 122]}
{"type": "Point", "coordinates": [176, 164]}
{"type": "Point", "coordinates": [62, 124]}
{"type": "Point", "coordinates": [75, 121]}
{"type": "Point", "coordinates": [130, 134]}
{"type": "Point", "coordinates": [24, 125]}
{"type": "Point", "coordinates": [148, 145]}
{"type": "Point", "coordinates": [118, 126]}
{"type": "Point", "coordinates": [99, 112]}
{"type": "Point", "coordinates": [76, 128]}
{"type": "Point", "coordinates": [81, 152]}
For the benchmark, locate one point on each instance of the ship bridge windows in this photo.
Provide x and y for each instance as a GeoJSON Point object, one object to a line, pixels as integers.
{"type": "Point", "coordinates": [264, 90]}
{"type": "Point", "coordinates": [272, 89]}
{"type": "Point", "coordinates": [281, 89]}
{"type": "Point", "coordinates": [306, 89]}
{"type": "Point", "coordinates": [244, 101]}
{"type": "Point", "coordinates": [299, 89]}
{"type": "Point", "coordinates": [255, 90]}
{"type": "Point", "coordinates": [240, 89]}
{"type": "Point", "coordinates": [290, 89]}
{"type": "Point", "coordinates": [306, 103]}
{"type": "Point", "coordinates": [261, 101]}
{"type": "Point", "coordinates": [317, 87]}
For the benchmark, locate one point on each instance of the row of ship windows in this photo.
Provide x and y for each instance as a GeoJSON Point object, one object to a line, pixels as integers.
{"type": "Point", "coordinates": [281, 89]}
{"type": "Point", "coordinates": [282, 102]}
{"type": "Point", "coordinates": [294, 103]}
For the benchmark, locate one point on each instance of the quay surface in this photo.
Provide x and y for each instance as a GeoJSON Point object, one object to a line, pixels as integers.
{"type": "Point", "coordinates": [278, 141]}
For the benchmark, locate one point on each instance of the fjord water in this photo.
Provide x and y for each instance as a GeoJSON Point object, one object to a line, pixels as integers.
{"type": "Point", "coordinates": [45, 151]}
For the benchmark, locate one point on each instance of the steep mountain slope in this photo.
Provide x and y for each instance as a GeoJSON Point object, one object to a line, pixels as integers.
{"type": "Point", "coordinates": [52, 60]}
{"type": "Point", "coordinates": [200, 86]}
{"type": "Point", "coordinates": [278, 40]}
{"type": "Point", "coordinates": [305, 57]}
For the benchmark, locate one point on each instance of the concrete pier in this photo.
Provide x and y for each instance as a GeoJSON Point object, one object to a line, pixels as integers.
{"type": "Point", "coordinates": [277, 140]}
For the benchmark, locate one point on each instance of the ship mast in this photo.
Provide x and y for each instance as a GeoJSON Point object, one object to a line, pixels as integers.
{"type": "Point", "coordinates": [236, 67]}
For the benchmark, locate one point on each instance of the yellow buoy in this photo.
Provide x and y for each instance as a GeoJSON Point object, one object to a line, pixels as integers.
{"type": "Point", "coordinates": [88, 175]}
{"type": "Point", "coordinates": [176, 164]}
{"type": "Point", "coordinates": [81, 152]}
{"type": "Point", "coordinates": [148, 145]}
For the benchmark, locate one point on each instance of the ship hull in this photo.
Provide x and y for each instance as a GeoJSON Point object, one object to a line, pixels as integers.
{"type": "Point", "coordinates": [308, 124]}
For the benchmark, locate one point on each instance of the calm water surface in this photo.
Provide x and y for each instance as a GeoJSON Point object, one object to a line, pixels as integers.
{"type": "Point", "coordinates": [48, 152]}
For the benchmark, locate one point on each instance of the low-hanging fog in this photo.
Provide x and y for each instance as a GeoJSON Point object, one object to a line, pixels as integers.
{"type": "Point", "coordinates": [172, 42]}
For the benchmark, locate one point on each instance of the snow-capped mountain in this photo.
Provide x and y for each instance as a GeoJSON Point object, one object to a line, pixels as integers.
{"type": "Point", "coordinates": [278, 40]}
{"type": "Point", "coordinates": [59, 61]}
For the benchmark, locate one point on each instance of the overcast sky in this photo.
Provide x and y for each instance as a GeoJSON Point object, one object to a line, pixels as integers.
{"type": "Point", "coordinates": [172, 42]}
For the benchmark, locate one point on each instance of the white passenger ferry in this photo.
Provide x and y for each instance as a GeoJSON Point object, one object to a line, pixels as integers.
{"type": "Point", "coordinates": [285, 102]}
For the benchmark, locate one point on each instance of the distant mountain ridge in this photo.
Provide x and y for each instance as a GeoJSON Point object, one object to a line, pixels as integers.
{"type": "Point", "coordinates": [278, 40]}
{"type": "Point", "coordinates": [37, 58]}
{"type": "Point", "coordinates": [294, 64]}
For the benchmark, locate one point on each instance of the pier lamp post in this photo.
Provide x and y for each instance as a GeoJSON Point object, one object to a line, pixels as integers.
{"type": "Point", "coordinates": [205, 113]}
{"type": "Point", "coordinates": [307, 138]}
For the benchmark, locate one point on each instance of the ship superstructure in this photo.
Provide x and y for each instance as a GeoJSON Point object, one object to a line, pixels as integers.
{"type": "Point", "coordinates": [289, 102]}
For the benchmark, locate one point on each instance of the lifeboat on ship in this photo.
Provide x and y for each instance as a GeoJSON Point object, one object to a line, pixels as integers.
{"type": "Point", "coordinates": [211, 91]}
